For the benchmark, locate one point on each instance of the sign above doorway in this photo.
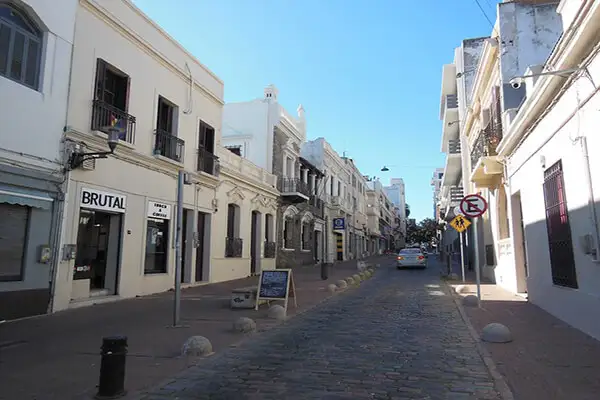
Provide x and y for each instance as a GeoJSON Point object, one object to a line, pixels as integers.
{"type": "Point", "coordinates": [104, 201]}
{"type": "Point", "coordinates": [159, 210]}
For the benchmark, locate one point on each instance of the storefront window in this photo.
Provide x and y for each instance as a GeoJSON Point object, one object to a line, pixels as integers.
{"type": "Point", "coordinates": [157, 244]}
{"type": "Point", "coordinates": [13, 234]}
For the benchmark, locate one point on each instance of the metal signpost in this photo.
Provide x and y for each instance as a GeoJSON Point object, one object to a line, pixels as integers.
{"type": "Point", "coordinates": [460, 224]}
{"type": "Point", "coordinates": [178, 255]}
{"type": "Point", "coordinates": [474, 206]}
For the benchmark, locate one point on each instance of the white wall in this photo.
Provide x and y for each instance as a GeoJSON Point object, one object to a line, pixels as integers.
{"type": "Point", "coordinates": [245, 124]}
{"type": "Point", "coordinates": [33, 121]}
{"type": "Point", "coordinates": [553, 139]}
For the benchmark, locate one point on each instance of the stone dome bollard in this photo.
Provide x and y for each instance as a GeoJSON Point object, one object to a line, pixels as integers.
{"type": "Point", "coordinates": [277, 312]}
{"type": "Point", "coordinates": [363, 275]}
{"type": "Point", "coordinates": [367, 274]}
{"type": "Point", "coordinates": [197, 346]}
{"type": "Point", "coordinates": [470, 301]}
{"type": "Point", "coordinates": [244, 325]}
{"type": "Point", "coordinates": [356, 278]}
{"type": "Point", "coordinates": [461, 289]}
{"type": "Point", "coordinates": [331, 288]}
{"type": "Point", "coordinates": [341, 284]}
{"type": "Point", "coordinates": [496, 333]}
{"type": "Point", "coordinates": [350, 280]}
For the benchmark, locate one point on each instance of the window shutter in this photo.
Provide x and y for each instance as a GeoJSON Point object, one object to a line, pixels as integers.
{"type": "Point", "coordinates": [100, 79]}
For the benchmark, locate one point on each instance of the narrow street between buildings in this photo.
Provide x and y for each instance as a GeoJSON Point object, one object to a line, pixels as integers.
{"type": "Point", "coordinates": [397, 336]}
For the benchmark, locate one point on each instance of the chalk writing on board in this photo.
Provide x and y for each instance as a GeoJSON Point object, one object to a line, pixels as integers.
{"type": "Point", "coordinates": [273, 284]}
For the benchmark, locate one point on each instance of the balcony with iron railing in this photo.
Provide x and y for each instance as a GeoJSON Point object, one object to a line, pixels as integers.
{"type": "Point", "coordinates": [454, 146]}
{"type": "Point", "coordinates": [168, 145]}
{"type": "Point", "coordinates": [317, 206]}
{"type": "Point", "coordinates": [294, 189]}
{"type": "Point", "coordinates": [233, 247]}
{"type": "Point", "coordinates": [485, 166]}
{"type": "Point", "coordinates": [485, 143]}
{"type": "Point", "coordinates": [106, 117]}
{"type": "Point", "coordinates": [207, 162]}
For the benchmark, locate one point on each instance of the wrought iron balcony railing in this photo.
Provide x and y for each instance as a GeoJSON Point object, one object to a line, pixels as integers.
{"type": "Point", "coordinates": [451, 101]}
{"type": "Point", "coordinates": [486, 143]}
{"type": "Point", "coordinates": [454, 146]}
{"type": "Point", "coordinates": [270, 248]}
{"type": "Point", "coordinates": [106, 116]}
{"type": "Point", "coordinates": [293, 185]}
{"type": "Point", "coordinates": [169, 145]}
{"type": "Point", "coordinates": [317, 206]}
{"type": "Point", "coordinates": [233, 247]}
{"type": "Point", "coordinates": [456, 195]}
{"type": "Point", "coordinates": [207, 161]}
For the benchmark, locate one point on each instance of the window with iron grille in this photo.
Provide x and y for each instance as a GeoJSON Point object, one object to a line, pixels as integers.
{"type": "Point", "coordinates": [560, 244]}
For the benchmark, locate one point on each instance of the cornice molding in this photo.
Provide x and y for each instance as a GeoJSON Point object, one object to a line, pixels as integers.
{"type": "Point", "coordinates": [242, 180]}
{"type": "Point", "coordinates": [110, 20]}
{"type": "Point", "coordinates": [128, 153]}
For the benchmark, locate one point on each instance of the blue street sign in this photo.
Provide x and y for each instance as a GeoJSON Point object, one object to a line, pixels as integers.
{"type": "Point", "coordinates": [339, 223]}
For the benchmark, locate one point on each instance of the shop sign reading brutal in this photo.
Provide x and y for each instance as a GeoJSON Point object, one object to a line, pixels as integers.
{"type": "Point", "coordinates": [98, 200]}
{"type": "Point", "coordinates": [159, 210]}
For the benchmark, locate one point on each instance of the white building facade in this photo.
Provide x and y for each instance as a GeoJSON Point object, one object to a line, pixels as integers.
{"type": "Point", "coordinates": [35, 56]}
{"type": "Point", "coordinates": [266, 134]}
{"type": "Point", "coordinates": [336, 193]}
{"type": "Point", "coordinates": [396, 192]}
{"type": "Point", "coordinates": [552, 173]}
{"type": "Point", "coordinates": [118, 229]}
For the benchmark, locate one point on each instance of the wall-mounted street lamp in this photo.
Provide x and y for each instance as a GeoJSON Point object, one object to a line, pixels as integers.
{"type": "Point", "coordinates": [78, 157]}
{"type": "Point", "coordinates": [517, 81]}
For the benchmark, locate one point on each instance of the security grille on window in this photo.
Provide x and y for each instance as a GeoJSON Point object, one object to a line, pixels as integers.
{"type": "Point", "coordinates": [20, 47]}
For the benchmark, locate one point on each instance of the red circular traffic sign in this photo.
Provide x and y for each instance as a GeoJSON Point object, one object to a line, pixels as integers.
{"type": "Point", "coordinates": [473, 205]}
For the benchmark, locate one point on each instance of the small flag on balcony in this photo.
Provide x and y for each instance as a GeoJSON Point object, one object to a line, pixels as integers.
{"type": "Point", "coordinates": [117, 123]}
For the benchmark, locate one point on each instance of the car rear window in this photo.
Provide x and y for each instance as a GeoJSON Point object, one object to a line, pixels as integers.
{"type": "Point", "coordinates": [410, 251]}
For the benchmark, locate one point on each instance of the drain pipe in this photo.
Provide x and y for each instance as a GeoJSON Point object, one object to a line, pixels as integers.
{"type": "Point", "coordinates": [591, 203]}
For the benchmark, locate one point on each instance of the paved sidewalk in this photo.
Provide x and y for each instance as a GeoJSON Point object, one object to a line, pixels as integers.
{"type": "Point", "coordinates": [548, 359]}
{"type": "Point", "coordinates": [57, 356]}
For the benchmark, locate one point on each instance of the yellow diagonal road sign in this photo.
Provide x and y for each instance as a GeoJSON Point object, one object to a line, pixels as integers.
{"type": "Point", "coordinates": [460, 223]}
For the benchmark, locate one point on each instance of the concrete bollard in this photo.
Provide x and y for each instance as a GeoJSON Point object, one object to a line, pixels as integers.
{"type": "Point", "coordinates": [244, 325]}
{"type": "Point", "coordinates": [356, 278]}
{"type": "Point", "coordinates": [341, 284]}
{"type": "Point", "coordinates": [496, 333]}
{"type": "Point", "coordinates": [197, 346]}
{"type": "Point", "coordinates": [112, 368]}
{"type": "Point", "coordinates": [350, 280]}
{"type": "Point", "coordinates": [331, 288]}
{"type": "Point", "coordinates": [277, 312]}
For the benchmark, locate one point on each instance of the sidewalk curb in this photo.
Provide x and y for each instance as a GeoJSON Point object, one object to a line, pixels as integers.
{"type": "Point", "coordinates": [499, 382]}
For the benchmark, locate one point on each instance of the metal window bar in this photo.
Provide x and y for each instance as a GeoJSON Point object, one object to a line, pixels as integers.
{"type": "Point", "coordinates": [560, 244]}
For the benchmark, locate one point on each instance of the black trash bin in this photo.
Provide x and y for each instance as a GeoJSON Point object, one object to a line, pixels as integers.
{"type": "Point", "coordinates": [112, 368]}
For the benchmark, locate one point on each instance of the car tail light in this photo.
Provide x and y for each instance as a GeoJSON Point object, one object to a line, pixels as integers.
{"type": "Point", "coordinates": [420, 257]}
{"type": "Point", "coordinates": [400, 258]}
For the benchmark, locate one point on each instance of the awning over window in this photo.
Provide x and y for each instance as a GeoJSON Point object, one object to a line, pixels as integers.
{"type": "Point", "coordinates": [25, 197]}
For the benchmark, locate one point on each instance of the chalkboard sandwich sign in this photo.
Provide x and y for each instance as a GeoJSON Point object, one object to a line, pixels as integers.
{"type": "Point", "coordinates": [276, 284]}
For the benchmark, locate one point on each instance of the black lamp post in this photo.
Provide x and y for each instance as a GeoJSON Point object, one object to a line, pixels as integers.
{"type": "Point", "coordinates": [78, 158]}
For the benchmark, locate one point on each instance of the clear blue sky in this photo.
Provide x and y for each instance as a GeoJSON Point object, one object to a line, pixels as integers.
{"type": "Point", "coordinates": [368, 72]}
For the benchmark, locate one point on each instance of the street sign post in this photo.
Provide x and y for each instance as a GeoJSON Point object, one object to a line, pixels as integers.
{"type": "Point", "coordinates": [460, 224]}
{"type": "Point", "coordinates": [474, 206]}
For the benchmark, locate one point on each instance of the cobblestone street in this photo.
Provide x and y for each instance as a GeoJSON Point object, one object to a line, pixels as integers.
{"type": "Point", "coordinates": [397, 336]}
